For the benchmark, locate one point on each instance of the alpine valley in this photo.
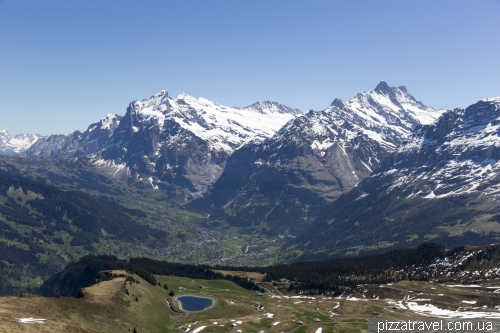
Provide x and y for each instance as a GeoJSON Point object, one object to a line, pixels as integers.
{"type": "Point", "coordinates": [186, 179]}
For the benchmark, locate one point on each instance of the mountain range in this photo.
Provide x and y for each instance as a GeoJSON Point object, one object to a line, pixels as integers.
{"type": "Point", "coordinates": [282, 183]}
{"type": "Point", "coordinates": [178, 144]}
{"type": "Point", "coordinates": [378, 171]}
{"type": "Point", "coordinates": [441, 184]}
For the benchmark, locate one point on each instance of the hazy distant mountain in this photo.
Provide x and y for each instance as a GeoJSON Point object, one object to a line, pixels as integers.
{"type": "Point", "coordinates": [93, 140]}
{"type": "Point", "coordinates": [12, 146]}
{"type": "Point", "coordinates": [280, 183]}
{"type": "Point", "coordinates": [180, 144]}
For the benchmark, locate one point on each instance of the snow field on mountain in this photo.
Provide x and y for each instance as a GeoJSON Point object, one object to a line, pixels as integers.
{"type": "Point", "coordinates": [224, 128]}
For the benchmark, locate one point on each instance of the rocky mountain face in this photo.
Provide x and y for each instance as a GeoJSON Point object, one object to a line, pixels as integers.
{"type": "Point", "coordinates": [177, 144]}
{"type": "Point", "coordinates": [443, 184]}
{"type": "Point", "coordinates": [279, 184]}
{"type": "Point", "coordinates": [13, 146]}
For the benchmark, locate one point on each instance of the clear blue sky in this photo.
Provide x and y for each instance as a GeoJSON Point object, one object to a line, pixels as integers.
{"type": "Point", "coordinates": [64, 64]}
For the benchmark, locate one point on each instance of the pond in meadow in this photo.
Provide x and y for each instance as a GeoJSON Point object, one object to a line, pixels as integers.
{"type": "Point", "coordinates": [195, 303]}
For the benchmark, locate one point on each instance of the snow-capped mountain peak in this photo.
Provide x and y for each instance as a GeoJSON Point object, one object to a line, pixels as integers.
{"type": "Point", "coordinates": [224, 128]}
{"type": "Point", "coordinates": [383, 88]}
{"type": "Point", "coordinates": [396, 101]}
{"type": "Point", "coordinates": [268, 107]}
{"type": "Point", "coordinates": [387, 114]}
{"type": "Point", "coordinates": [109, 120]}
{"type": "Point", "coordinates": [495, 100]}
{"type": "Point", "coordinates": [338, 103]}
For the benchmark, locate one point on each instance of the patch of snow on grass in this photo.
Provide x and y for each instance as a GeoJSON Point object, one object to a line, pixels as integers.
{"type": "Point", "coordinates": [199, 329]}
{"type": "Point", "coordinates": [31, 320]}
{"type": "Point", "coordinates": [430, 310]}
{"type": "Point", "coordinates": [355, 299]}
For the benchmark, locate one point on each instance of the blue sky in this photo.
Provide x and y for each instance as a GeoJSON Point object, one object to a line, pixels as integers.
{"type": "Point", "coordinates": [65, 64]}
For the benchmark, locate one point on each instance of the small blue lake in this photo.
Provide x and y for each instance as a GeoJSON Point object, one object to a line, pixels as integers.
{"type": "Point", "coordinates": [194, 303]}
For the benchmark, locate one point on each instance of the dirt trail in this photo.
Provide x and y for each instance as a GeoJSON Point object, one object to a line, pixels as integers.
{"type": "Point", "coordinates": [172, 310]}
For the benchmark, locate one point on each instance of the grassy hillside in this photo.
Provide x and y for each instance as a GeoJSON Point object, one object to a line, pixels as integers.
{"type": "Point", "coordinates": [463, 283]}
{"type": "Point", "coordinates": [42, 227]}
{"type": "Point", "coordinates": [119, 305]}
{"type": "Point", "coordinates": [360, 223]}
{"type": "Point", "coordinates": [109, 306]}
{"type": "Point", "coordinates": [122, 304]}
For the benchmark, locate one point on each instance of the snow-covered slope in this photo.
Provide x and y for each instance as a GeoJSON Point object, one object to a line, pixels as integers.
{"type": "Point", "coordinates": [458, 154]}
{"type": "Point", "coordinates": [223, 128]}
{"type": "Point", "coordinates": [18, 144]}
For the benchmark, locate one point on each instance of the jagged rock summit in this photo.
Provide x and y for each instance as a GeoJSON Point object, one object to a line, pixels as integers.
{"type": "Point", "coordinates": [386, 114]}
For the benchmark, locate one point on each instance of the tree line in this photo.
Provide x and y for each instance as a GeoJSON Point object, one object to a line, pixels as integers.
{"type": "Point", "coordinates": [82, 273]}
